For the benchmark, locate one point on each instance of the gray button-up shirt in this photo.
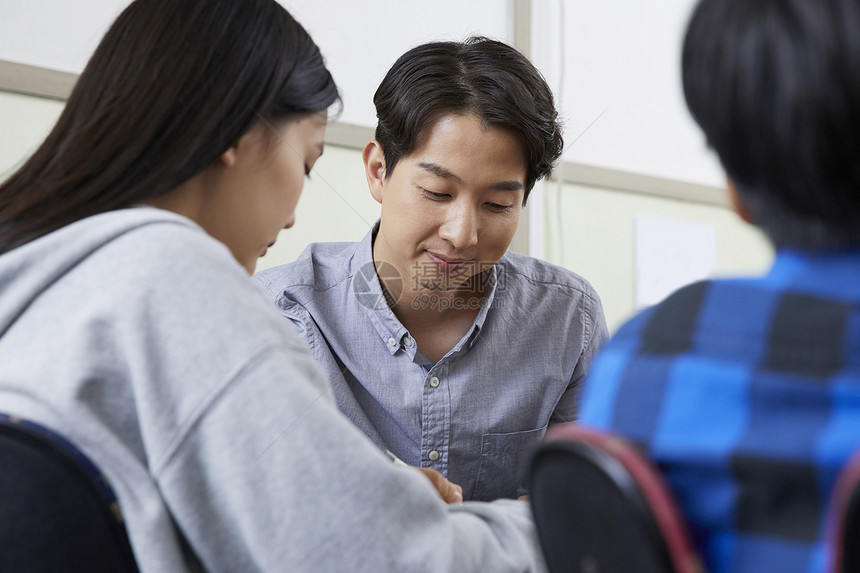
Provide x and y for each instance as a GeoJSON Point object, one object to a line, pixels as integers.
{"type": "Point", "coordinates": [477, 414]}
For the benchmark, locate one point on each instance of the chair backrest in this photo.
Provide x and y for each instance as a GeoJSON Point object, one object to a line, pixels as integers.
{"type": "Point", "coordinates": [843, 520]}
{"type": "Point", "coordinates": [600, 507]}
{"type": "Point", "coordinates": [57, 513]}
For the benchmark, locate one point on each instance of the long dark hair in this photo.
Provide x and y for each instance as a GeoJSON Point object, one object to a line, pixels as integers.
{"type": "Point", "coordinates": [172, 85]}
{"type": "Point", "coordinates": [481, 77]}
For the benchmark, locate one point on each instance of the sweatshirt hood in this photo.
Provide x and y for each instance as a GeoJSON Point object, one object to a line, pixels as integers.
{"type": "Point", "coordinates": [31, 269]}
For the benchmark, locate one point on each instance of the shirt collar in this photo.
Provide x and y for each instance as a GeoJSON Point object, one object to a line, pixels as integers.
{"type": "Point", "coordinates": [490, 287]}
{"type": "Point", "coordinates": [367, 291]}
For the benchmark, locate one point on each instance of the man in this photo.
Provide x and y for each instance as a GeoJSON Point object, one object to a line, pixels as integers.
{"type": "Point", "coordinates": [747, 392]}
{"type": "Point", "coordinates": [441, 346]}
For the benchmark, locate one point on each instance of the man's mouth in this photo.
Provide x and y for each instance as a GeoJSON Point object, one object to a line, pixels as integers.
{"type": "Point", "coordinates": [446, 263]}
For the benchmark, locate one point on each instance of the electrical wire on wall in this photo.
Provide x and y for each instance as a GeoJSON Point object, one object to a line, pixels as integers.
{"type": "Point", "coordinates": [559, 172]}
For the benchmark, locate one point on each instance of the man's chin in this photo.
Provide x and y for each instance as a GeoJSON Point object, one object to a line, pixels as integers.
{"type": "Point", "coordinates": [451, 285]}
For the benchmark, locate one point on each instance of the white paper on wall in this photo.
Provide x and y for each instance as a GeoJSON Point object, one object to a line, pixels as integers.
{"type": "Point", "coordinates": [669, 254]}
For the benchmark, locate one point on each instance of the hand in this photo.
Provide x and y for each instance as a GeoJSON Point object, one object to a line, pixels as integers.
{"type": "Point", "coordinates": [450, 492]}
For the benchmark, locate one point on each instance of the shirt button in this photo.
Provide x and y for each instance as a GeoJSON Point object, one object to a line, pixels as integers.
{"type": "Point", "coordinates": [433, 455]}
{"type": "Point", "coordinates": [434, 382]}
{"type": "Point", "coordinates": [392, 342]}
{"type": "Point", "coordinates": [408, 342]}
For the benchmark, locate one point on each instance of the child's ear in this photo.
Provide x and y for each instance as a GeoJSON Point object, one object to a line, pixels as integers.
{"type": "Point", "coordinates": [737, 204]}
{"type": "Point", "coordinates": [374, 168]}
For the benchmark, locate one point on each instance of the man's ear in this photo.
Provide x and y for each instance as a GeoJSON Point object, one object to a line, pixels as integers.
{"type": "Point", "coordinates": [738, 204]}
{"type": "Point", "coordinates": [374, 168]}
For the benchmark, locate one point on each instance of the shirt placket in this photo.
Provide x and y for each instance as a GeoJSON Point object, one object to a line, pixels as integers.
{"type": "Point", "coordinates": [436, 419]}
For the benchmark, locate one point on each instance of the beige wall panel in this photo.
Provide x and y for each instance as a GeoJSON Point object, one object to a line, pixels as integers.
{"type": "Point", "coordinates": [24, 123]}
{"type": "Point", "coordinates": [591, 231]}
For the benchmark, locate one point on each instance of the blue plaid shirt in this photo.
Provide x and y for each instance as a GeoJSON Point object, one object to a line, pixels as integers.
{"type": "Point", "coordinates": [478, 413]}
{"type": "Point", "coordinates": [747, 395]}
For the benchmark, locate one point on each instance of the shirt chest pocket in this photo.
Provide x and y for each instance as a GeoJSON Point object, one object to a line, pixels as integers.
{"type": "Point", "coordinates": [504, 461]}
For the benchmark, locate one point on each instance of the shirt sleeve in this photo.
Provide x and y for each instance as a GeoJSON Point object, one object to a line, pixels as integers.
{"type": "Point", "coordinates": [596, 334]}
{"type": "Point", "coordinates": [271, 477]}
{"type": "Point", "coordinates": [293, 311]}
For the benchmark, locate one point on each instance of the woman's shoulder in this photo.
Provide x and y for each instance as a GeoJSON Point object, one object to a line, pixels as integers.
{"type": "Point", "coordinates": [147, 257]}
{"type": "Point", "coordinates": [145, 246]}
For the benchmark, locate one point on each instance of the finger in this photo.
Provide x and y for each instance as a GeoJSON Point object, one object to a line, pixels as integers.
{"type": "Point", "coordinates": [448, 491]}
{"type": "Point", "coordinates": [456, 494]}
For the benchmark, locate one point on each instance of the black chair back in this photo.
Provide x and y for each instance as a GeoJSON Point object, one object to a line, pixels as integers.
{"type": "Point", "coordinates": [843, 520]}
{"type": "Point", "coordinates": [600, 507]}
{"type": "Point", "coordinates": [57, 514]}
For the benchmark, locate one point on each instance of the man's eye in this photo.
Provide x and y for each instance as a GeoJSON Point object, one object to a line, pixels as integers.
{"type": "Point", "coordinates": [432, 195]}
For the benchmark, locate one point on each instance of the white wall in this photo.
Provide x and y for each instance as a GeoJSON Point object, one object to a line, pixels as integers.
{"type": "Point", "coordinates": [55, 34]}
{"type": "Point", "coordinates": [620, 60]}
{"type": "Point", "coordinates": [360, 40]}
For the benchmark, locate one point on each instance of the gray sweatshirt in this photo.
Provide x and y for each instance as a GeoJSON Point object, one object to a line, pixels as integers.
{"type": "Point", "coordinates": [141, 339]}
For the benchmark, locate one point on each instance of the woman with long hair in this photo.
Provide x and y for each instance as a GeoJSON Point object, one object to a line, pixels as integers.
{"type": "Point", "coordinates": [129, 325]}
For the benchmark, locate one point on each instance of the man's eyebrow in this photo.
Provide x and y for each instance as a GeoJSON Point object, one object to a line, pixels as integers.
{"type": "Point", "coordinates": [507, 186]}
{"type": "Point", "coordinates": [440, 171]}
